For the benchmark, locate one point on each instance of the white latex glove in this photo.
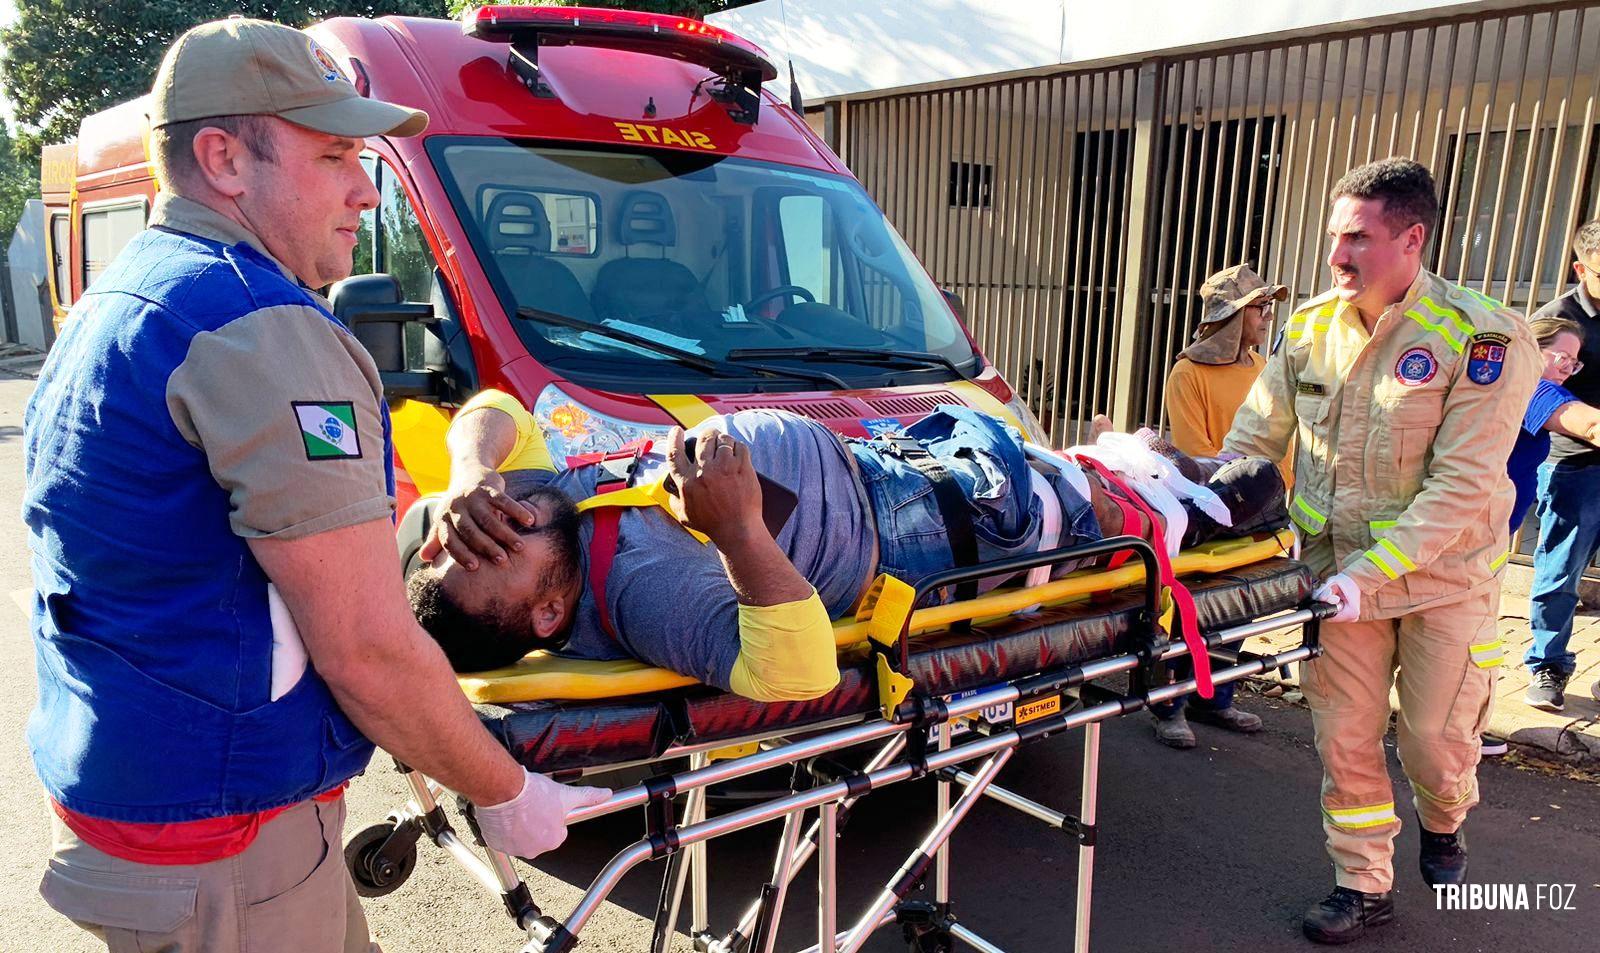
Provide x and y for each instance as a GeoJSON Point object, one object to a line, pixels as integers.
{"type": "Point", "coordinates": [1340, 590]}
{"type": "Point", "coordinates": [534, 821]}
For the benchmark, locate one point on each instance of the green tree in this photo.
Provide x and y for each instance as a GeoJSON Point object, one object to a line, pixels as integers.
{"type": "Point", "coordinates": [685, 8]}
{"type": "Point", "coordinates": [19, 182]}
{"type": "Point", "coordinates": [65, 59]}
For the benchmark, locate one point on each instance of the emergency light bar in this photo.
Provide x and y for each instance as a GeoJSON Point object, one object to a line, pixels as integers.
{"type": "Point", "coordinates": [742, 65]}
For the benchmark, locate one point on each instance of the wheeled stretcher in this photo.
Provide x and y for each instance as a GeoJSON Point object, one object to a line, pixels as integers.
{"type": "Point", "coordinates": [948, 690]}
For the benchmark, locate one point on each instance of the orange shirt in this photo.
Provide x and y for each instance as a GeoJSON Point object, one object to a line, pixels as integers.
{"type": "Point", "coordinates": [1202, 400]}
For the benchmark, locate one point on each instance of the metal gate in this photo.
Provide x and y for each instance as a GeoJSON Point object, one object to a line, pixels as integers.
{"type": "Point", "coordinates": [1076, 213]}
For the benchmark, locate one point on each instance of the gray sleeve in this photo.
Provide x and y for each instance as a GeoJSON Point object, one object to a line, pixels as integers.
{"type": "Point", "coordinates": [286, 407]}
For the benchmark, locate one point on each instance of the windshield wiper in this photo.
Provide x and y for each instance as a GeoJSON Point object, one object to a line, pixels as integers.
{"type": "Point", "coordinates": [848, 355]}
{"type": "Point", "coordinates": [700, 362]}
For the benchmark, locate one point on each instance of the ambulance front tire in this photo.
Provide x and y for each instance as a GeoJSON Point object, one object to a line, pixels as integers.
{"type": "Point", "coordinates": [374, 873]}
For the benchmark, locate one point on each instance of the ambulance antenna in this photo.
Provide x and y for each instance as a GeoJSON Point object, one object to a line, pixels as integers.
{"type": "Point", "coordinates": [795, 101]}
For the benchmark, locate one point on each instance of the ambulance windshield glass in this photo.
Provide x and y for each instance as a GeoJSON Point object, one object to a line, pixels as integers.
{"type": "Point", "coordinates": [703, 254]}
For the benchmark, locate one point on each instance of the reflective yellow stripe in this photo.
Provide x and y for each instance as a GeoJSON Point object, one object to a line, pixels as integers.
{"type": "Point", "coordinates": [687, 409]}
{"type": "Point", "coordinates": [1487, 655]}
{"type": "Point", "coordinates": [1481, 298]}
{"type": "Point", "coordinates": [1467, 791]}
{"type": "Point", "coordinates": [1399, 556]}
{"type": "Point", "coordinates": [1317, 519]}
{"type": "Point", "coordinates": [1381, 563]}
{"type": "Point", "coordinates": [1376, 525]}
{"type": "Point", "coordinates": [1441, 328]}
{"type": "Point", "coordinates": [1355, 818]}
{"type": "Point", "coordinates": [1498, 561]}
{"type": "Point", "coordinates": [1315, 322]}
{"type": "Point", "coordinates": [653, 493]}
{"type": "Point", "coordinates": [1295, 333]}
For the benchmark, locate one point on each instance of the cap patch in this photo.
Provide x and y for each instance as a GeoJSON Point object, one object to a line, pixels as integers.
{"type": "Point", "coordinates": [325, 64]}
{"type": "Point", "coordinates": [1416, 367]}
{"type": "Point", "coordinates": [328, 429]}
{"type": "Point", "coordinates": [1486, 358]}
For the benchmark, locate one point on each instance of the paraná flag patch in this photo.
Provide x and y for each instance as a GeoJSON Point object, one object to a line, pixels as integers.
{"type": "Point", "coordinates": [328, 429]}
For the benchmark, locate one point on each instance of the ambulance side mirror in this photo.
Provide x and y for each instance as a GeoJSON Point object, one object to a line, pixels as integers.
{"type": "Point", "coordinates": [956, 304]}
{"type": "Point", "coordinates": [371, 307]}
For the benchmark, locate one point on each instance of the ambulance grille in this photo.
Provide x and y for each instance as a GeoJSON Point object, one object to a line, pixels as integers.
{"type": "Point", "coordinates": [815, 409]}
{"type": "Point", "coordinates": [908, 404]}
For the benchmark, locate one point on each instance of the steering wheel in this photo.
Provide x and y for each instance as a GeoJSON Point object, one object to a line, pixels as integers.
{"type": "Point", "coordinates": [782, 291]}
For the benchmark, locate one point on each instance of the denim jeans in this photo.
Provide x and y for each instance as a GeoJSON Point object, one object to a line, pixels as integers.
{"type": "Point", "coordinates": [986, 460]}
{"type": "Point", "coordinates": [1183, 668]}
{"type": "Point", "coordinates": [1569, 530]}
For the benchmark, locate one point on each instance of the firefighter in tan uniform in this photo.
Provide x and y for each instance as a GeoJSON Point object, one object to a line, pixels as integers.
{"type": "Point", "coordinates": [1404, 392]}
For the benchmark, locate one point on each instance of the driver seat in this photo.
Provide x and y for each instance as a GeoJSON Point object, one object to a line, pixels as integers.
{"type": "Point", "coordinates": [631, 288]}
{"type": "Point", "coordinates": [519, 239]}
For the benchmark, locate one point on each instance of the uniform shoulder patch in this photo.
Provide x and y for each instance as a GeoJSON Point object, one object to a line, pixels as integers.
{"type": "Point", "coordinates": [1486, 357]}
{"type": "Point", "coordinates": [328, 429]}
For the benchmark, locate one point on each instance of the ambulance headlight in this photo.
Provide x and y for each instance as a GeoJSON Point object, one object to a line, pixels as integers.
{"type": "Point", "coordinates": [571, 429]}
{"type": "Point", "coordinates": [1032, 430]}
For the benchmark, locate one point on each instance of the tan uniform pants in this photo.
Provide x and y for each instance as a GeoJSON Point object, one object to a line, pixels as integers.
{"type": "Point", "coordinates": [288, 891]}
{"type": "Point", "coordinates": [1447, 660]}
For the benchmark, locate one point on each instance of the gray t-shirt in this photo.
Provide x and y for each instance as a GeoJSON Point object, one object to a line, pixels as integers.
{"type": "Point", "coordinates": [669, 598]}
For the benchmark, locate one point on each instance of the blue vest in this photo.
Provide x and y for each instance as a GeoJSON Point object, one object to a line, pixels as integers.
{"type": "Point", "coordinates": [150, 621]}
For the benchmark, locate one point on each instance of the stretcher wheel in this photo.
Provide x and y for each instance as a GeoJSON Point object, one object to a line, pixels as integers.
{"type": "Point", "coordinates": [378, 872]}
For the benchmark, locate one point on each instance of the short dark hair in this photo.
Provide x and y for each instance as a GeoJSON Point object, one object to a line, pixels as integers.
{"type": "Point", "coordinates": [172, 145]}
{"type": "Point", "coordinates": [1405, 187]}
{"type": "Point", "coordinates": [1586, 241]}
{"type": "Point", "coordinates": [494, 637]}
{"type": "Point", "coordinates": [500, 633]}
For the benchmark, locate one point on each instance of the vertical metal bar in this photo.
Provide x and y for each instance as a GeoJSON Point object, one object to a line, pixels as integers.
{"type": "Point", "coordinates": [960, 217]}
{"type": "Point", "coordinates": [1252, 159]}
{"type": "Point", "coordinates": [1088, 801]}
{"type": "Point", "coordinates": [1177, 287]}
{"type": "Point", "coordinates": [1333, 132]}
{"type": "Point", "coordinates": [1042, 230]}
{"type": "Point", "coordinates": [783, 869]}
{"type": "Point", "coordinates": [920, 142]}
{"type": "Point", "coordinates": [1377, 97]}
{"type": "Point", "coordinates": [1005, 292]}
{"type": "Point", "coordinates": [1458, 163]}
{"type": "Point", "coordinates": [1067, 192]}
{"type": "Point", "coordinates": [1444, 97]}
{"type": "Point", "coordinates": [1575, 204]}
{"type": "Point", "coordinates": [1512, 113]}
{"type": "Point", "coordinates": [1021, 215]}
{"type": "Point", "coordinates": [941, 797]}
{"type": "Point", "coordinates": [1400, 95]}
{"type": "Point", "coordinates": [1178, 331]}
{"type": "Point", "coordinates": [1047, 340]}
{"type": "Point", "coordinates": [1097, 366]}
{"type": "Point", "coordinates": [699, 892]}
{"type": "Point", "coordinates": [936, 837]}
{"type": "Point", "coordinates": [939, 209]}
{"type": "Point", "coordinates": [1288, 151]}
{"type": "Point", "coordinates": [1547, 206]}
{"type": "Point", "coordinates": [1361, 99]}
{"type": "Point", "coordinates": [1066, 383]}
{"type": "Point", "coordinates": [1425, 64]}
{"type": "Point", "coordinates": [828, 879]}
{"type": "Point", "coordinates": [1310, 163]}
{"type": "Point", "coordinates": [1531, 158]}
{"type": "Point", "coordinates": [1127, 80]}
{"type": "Point", "coordinates": [993, 117]}
{"type": "Point", "coordinates": [1165, 281]}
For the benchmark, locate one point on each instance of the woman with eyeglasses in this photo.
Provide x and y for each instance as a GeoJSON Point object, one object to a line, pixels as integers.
{"type": "Point", "coordinates": [1553, 409]}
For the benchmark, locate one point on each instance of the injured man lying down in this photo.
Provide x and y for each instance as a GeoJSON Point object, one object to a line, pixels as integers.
{"type": "Point", "coordinates": [725, 557]}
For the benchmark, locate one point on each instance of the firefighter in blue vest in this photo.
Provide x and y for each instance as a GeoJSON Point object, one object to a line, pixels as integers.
{"type": "Point", "coordinates": [220, 628]}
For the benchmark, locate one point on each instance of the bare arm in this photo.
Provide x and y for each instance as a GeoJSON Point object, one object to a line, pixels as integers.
{"type": "Point", "coordinates": [721, 497]}
{"type": "Point", "coordinates": [476, 518]}
{"type": "Point", "coordinates": [387, 675]}
{"type": "Point", "coordinates": [1577, 420]}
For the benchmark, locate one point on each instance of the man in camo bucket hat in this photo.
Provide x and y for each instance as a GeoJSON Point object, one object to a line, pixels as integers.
{"type": "Point", "coordinates": [1204, 390]}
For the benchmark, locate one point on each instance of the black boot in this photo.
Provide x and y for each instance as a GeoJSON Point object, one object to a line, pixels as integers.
{"type": "Point", "coordinates": [1443, 858]}
{"type": "Point", "coordinates": [1346, 914]}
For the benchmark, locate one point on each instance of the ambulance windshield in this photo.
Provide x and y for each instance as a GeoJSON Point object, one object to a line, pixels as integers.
{"type": "Point", "coordinates": [718, 258]}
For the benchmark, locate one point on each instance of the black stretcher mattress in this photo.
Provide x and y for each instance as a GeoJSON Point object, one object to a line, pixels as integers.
{"type": "Point", "coordinates": [567, 736]}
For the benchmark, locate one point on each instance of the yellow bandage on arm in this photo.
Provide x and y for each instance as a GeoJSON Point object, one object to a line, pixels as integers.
{"type": "Point", "coordinates": [786, 652]}
{"type": "Point", "coordinates": [530, 452]}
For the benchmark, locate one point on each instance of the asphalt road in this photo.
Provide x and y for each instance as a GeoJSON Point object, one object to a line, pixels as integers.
{"type": "Point", "coordinates": [1215, 849]}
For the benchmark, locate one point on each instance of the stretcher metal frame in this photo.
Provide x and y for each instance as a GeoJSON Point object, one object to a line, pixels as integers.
{"type": "Point", "coordinates": [914, 742]}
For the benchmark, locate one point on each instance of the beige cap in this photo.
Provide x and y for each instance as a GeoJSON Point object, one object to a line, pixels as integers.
{"type": "Point", "coordinates": [1230, 289]}
{"type": "Point", "coordinates": [238, 67]}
